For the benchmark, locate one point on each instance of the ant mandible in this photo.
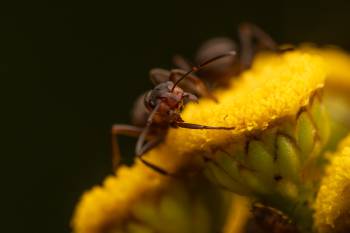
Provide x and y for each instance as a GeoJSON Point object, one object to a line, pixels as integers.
{"type": "Point", "coordinates": [159, 109]}
{"type": "Point", "coordinates": [252, 39]}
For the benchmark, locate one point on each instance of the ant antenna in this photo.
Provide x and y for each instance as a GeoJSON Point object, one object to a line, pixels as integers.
{"type": "Point", "coordinates": [198, 67]}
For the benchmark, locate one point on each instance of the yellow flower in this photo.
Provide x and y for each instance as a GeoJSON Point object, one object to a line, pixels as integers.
{"type": "Point", "coordinates": [276, 88]}
{"type": "Point", "coordinates": [332, 207]}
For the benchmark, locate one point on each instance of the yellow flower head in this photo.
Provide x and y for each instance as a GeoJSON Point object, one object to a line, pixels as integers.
{"type": "Point", "coordinates": [332, 207]}
{"type": "Point", "coordinates": [276, 87]}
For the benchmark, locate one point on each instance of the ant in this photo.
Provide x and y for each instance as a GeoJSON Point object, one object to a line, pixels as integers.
{"type": "Point", "coordinates": [271, 220]}
{"type": "Point", "coordinates": [252, 39]}
{"type": "Point", "coordinates": [159, 109]}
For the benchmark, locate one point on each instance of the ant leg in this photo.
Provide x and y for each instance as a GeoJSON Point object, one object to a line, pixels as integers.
{"type": "Point", "coordinates": [181, 62]}
{"type": "Point", "coordinates": [192, 83]}
{"type": "Point", "coordinates": [214, 47]}
{"type": "Point", "coordinates": [148, 146]}
{"type": "Point", "coordinates": [196, 126]}
{"type": "Point", "coordinates": [127, 130]}
{"type": "Point", "coordinates": [220, 72]}
{"type": "Point", "coordinates": [154, 167]}
{"type": "Point", "coordinates": [247, 33]}
{"type": "Point", "coordinates": [202, 65]}
{"type": "Point", "coordinates": [159, 75]}
{"type": "Point", "coordinates": [142, 148]}
{"type": "Point", "coordinates": [145, 132]}
{"type": "Point", "coordinates": [133, 131]}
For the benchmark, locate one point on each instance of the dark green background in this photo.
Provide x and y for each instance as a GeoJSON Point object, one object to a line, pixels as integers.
{"type": "Point", "coordinates": [70, 70]}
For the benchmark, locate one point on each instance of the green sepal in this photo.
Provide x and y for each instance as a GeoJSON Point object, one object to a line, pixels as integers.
{"type": "Point", "coordinates": [305, 135]}
{"type": "Point", "coordinates": [287, 189]}
{"type": "Point", "coordinates": [288, 163]}
{"type": "Point", "coordinates": [224, 180]}
{"type": "Point", "coordinates": [321, 120]}
{"type": "Point", "coordinates": [260, 160]}
{"type": "Point", "coordinates": [254, 182]}
{"type": "Point", "coordinates": [229, 164]}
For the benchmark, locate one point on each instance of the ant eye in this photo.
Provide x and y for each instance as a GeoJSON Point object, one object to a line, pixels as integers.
{"type": "Point", "coordinates": [152, 104]}
{"type": "Point", "coordinates": [149, 101]}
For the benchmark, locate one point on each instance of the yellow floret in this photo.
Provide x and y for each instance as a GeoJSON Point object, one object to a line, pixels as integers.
{"type": "Point", "coordinates": [333, 200]}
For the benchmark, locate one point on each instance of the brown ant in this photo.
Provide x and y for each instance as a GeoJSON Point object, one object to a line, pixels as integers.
{"type": "Point", "coordinates": [252, 39]}
{"type": "Point", "coordinates": [272, 220]}
{"type": "Point", "coordinates": [159, 109]}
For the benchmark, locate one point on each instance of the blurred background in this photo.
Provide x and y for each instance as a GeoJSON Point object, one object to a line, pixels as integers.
{"type": "Point", "coordinates": [71, 70]}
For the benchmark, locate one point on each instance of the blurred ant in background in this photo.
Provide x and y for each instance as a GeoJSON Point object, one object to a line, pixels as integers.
{"type": "Point", "coordinates": [270, 220]}
{"type": "Point", "coordinates": [159, 109]}
{"type": "Point", "coordinates": [252, 40]}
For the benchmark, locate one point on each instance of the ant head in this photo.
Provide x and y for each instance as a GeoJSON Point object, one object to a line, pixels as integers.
{"type": "Point", "coordinates": [167, 93]}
